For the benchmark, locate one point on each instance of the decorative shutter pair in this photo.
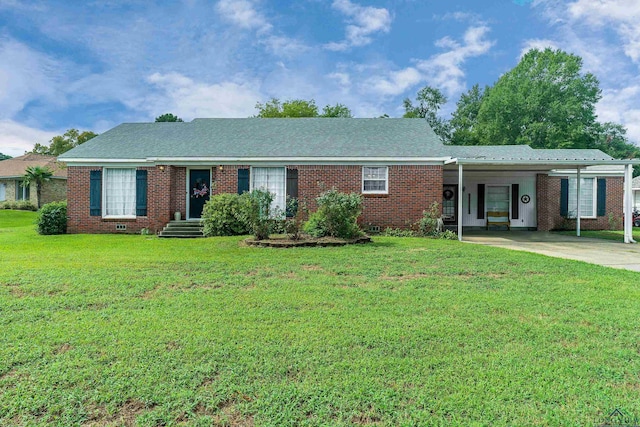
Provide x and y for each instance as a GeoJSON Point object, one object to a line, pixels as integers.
{"type": "Point", "coordinates": [95, 193]}
{"type": "Point", "coordinates": [292, 184]}
{"type": "Point", "coordinates": [515, 201]}
{"type": "Point", "coordinates": [601, 201]}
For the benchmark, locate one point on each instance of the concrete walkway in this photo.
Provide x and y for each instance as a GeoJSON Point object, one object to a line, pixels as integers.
{"type": "Point", "coordinates": [595, 251]}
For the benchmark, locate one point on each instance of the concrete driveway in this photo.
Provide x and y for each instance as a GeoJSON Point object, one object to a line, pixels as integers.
{"type": "Point", "coordinates": [595, 251]}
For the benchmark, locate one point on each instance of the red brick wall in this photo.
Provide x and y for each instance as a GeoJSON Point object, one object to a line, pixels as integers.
{"type": "Point", "coordinates": [158, 203]}
{"type": "Point", "coordinates": [411, 190]}
{"type": "Point", "coordinates": [548, 189]}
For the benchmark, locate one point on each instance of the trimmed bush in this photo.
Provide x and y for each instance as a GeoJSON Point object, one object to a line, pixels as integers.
{"type": "Point", "coordinates": [20, 205]}
{"type": "Point", "coordinates": [52, 218]}
{"type": "Point", "coordinates": [337, 215]}
{"type": "Point", "coordinates": [222, 216]}
{"type": "Point", "coordinates": [428, 224]}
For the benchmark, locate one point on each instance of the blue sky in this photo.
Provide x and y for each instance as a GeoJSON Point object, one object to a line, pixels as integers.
{"type": "Point", "coordinates": [94, 64]}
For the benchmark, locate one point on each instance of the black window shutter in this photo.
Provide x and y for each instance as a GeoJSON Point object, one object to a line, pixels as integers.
{"type": "Point", "coordinates": [243, 180]}
{"type": "Point", "coordinates": [141, 193]}
{"type": "Point", "coordinates": [515, 201]}
{"type": "Point", "coordinates": [564, 197]}
{"type": "Point", "coordinates": [292, 191]}
{"type": "Point", "coordinates": [602, 196]}
{"type": "Point", "coordinates": [95, 193]}
{"type": "Point", "coordinates": [292, 183]}
{"type": "Point", "coordinates": [480, 201]}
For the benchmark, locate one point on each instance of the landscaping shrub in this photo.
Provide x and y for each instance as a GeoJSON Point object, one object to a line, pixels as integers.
{"type": "Point", "coordinates": [428, 224]}
{"type": "Point", "coordinates": [52, 218]}
{"type": "Point", "coordinates": [21, 205]}
{"type": "Point", "coordinates": [337, 215]}
{"type": "Point", "coordinates": [222, 216]}
{"type": "Point", "coordinates": [398, 232]}
{"type": "Point", "coordinates": [255, 212]}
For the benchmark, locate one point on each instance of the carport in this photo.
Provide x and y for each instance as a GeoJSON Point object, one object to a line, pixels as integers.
{"type": "Point", "coordinates": [505, 165]}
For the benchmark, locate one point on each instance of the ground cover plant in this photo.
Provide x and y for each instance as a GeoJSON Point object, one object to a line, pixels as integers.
{"type": "Point", "coordinates": [136, 330]}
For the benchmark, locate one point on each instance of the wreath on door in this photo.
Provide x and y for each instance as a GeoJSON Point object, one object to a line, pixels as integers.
{"type": "Point", "coordinates": [447, 194]}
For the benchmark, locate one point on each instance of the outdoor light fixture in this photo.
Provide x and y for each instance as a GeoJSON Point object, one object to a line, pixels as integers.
{"type": "Point", "coordinates": [220, 167]}
{"type": "Point", "coordinates": [161, 167]}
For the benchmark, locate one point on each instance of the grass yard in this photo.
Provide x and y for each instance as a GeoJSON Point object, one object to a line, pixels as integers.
{"type": "Point", "coordinates": [605, 234]}
{"type": "Point", "coordinates": [136, 330]}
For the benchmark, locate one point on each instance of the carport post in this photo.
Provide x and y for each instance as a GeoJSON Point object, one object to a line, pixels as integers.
{"type": "Point", "coordinates": [460, 198]}
{"type": "Point", "coordinates": [628, 204]}
{"type": "Point", "coordinates": [578, 203]}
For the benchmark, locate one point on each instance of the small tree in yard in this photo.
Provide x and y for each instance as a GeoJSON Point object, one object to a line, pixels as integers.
{"type": "Point", "coordinates": [37, 175]}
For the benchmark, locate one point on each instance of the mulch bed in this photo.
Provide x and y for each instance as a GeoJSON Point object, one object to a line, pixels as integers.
{"type": "Point", "coordinates": [285, 242]}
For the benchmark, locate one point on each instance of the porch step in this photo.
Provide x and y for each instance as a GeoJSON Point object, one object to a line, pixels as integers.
{"type": "Point", "coordinates": [182, 229]}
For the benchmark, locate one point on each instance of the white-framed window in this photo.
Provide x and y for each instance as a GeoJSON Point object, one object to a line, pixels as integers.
{"type": "Point", "coordinates": [375, 179]}
{"type": "Point", "coordinates": [273, 180]}
{"type": "Point", "coordinates": [588, 197]}
{"type": "Point", "coordinates": [22, 191]}
{"type": "Point", "coordinates": [119, 193]}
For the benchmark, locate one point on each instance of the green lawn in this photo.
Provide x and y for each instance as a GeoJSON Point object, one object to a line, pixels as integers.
{"type": "Point", "coordinates": [605, 234]}
{"type": "Point", "coordinates": [119, 330]}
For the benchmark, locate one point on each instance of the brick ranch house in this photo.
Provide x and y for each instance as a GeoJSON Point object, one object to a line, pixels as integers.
{"type": "Point", "coordinates": [11, 176]}
{"type": "Point", "coordinates": [138, 175]}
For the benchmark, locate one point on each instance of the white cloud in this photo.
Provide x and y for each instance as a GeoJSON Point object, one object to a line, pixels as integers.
{"type": "Point", "coordinates": [343, 79]}
{"type": "Point", "coordinates": [621, 16]}
{"type": "Point", "coordinates": [243, 14]}
{"type": "Point", "coordinates": [444, 70]}
{"type": "Point", "coordinates": [621, 106]}
{"type": "Point", "coordinates": [363, 22]}
{"type": "Point", "coordinates": [190, 99]}
{"type": "Point", "coordinates": [17, 138]}
{"type": "Point", "coordinates": [396, 82]}
{"type": "Point", "coordinates": [26, 75]}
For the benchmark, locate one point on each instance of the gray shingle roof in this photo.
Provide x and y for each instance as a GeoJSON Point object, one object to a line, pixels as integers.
{"type": "Point", "coordinates": [298, 138]}
{"type": "Point", "coordinates": [270, 138]}
{"type": "Point", "coordinates": [635, 183]}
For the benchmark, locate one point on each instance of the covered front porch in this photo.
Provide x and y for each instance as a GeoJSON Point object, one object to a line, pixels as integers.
{"type": "Point", "coordinates": [539, 195]}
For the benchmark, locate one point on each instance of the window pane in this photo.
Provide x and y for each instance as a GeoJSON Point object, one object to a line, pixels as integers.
{"type": "Point", "coordinates": [120, 192]}
{"type": "Point", "coordinates": [375, 186]}
{"type": "Point", "coordinates": [273, 181]}
{"type": "Point", "coordinates": [587, 195]}
{"type": "Point", "coordinates": [374, 179]}
{"type": "Point", "coordinates": [374, 173]}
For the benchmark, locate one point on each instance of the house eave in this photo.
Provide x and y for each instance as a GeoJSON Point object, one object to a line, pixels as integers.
{"type": "Point", "coordinates": [188, 161]}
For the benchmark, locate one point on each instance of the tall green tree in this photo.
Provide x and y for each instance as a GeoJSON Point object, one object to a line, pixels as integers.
{"type": "Point", "coordinates": [168, 117]}
{"type": "Point", "coordinates": [62, 143]}
{"type": "Point", "coordinates": [295, 108]}
{"type": "Point", "coordinates": [429, 101]}
{"type": "Point", "coordinates": [464, 119]}
{"type": "Point", "coordinates": [4, 156]}
{"type": "Point", "coordinates": [37, 175]}
{"type": "Point", "coordinates": [338, 110]}
{"type": "Point", "coordinates": [545, 101]}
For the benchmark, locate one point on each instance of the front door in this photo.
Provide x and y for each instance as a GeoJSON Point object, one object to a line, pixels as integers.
{"type": "Point", "coordinates": [199, 191]}
{"type": "Point", "coordinates": [449, 204]}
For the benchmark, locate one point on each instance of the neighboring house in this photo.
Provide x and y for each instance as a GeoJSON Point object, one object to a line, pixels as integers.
{"type": "Point", "coordinates": [12, 172]}
{"type": "Point", "coordinates": [137, 175]}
